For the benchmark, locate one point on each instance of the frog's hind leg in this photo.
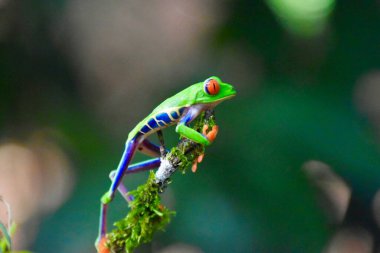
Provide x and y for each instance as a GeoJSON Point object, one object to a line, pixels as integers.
{"type": "Point", "coordinates": [147, 148]}
{"type": "Point", "coordinates": [126, 158]}
{"type": "Point", "coordinates": [134, 168]}
{"type": "Point", "coordinates": [151, 149]}
{"type": "Point", "coordinates": [116, 176]}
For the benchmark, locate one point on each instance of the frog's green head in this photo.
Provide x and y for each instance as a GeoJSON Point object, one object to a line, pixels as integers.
{"type": "Point", "coordinates": [214, 91]}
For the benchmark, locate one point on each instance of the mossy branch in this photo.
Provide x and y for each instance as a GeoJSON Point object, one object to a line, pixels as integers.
{"type": "Point", "coordinates": [147, 214]}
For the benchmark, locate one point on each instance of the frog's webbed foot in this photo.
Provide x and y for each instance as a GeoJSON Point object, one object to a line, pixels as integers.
{"type": "Point", "coordinates": [210, 135]}
{"type": "Point", "coordinates": [101, 245]}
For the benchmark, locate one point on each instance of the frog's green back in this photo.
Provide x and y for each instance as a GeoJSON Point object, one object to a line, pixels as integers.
{"type": "Point", "coordinates": [184, 98]}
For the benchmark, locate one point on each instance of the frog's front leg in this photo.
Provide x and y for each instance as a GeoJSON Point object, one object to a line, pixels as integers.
{"type": "Point", "coordinates": [210, 135]}
{"type": "Point", "coordinates": [205, 138]}
{"type": "Point", "coordinates": [163, 150]}
{"type": "Point", "coordinates": [186, 131]}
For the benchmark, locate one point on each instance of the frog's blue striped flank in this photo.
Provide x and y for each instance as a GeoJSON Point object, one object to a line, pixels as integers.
{"type": "Point", "coordinates": [162, 120]}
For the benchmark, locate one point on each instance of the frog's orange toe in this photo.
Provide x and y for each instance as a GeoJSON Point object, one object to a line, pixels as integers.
{"type": "Point", "coordinates": [200, 158]}
{"type": "Point", "coordinates": [194, 167]}
{"type": "Point", "coordinates": [102, 248]}
{"type": "Point", "coordinates": [204, 130]}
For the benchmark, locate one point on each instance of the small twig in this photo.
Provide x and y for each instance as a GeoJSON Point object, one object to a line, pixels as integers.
{"type": "Point", "coordinates": [6, 241]}
{"type": "Point", "coordinates": [9, 212]}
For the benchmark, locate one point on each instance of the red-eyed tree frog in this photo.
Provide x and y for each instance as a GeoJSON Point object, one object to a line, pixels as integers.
{"type": "Point", "coordinates": [179, 109]}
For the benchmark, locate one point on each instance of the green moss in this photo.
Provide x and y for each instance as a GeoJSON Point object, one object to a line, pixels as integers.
{"type": "Point", "coordinates": [147, 215]}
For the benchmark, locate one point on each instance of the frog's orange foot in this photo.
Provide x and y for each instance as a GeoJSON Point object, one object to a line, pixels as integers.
{"type": "Point", "coordinates": [101, 246]}
{"type": "Point", "coordinates": [210, 135]}
{"type": "Point", "coordinates": [196, 161]}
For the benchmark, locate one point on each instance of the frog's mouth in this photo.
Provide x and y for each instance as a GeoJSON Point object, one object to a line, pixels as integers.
{"type": "Point", "coordinates": [216, 102]}
{"type": "Point", "coordinates": [231, 93]}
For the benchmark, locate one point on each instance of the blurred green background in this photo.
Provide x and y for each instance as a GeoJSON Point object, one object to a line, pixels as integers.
{"type": "Point", "coordinates": [295, 167]}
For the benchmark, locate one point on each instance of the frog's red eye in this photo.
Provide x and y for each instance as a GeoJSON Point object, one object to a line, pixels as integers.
{"type": "Point", "coordinates": [211, 86]}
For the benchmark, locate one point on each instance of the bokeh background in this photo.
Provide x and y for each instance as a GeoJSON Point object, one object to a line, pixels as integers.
{"type": "Point", "coordinates": [295, 167]}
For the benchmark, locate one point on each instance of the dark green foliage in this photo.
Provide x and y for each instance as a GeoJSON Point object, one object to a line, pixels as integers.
{"type": "Point", "coordinates": [147, 215]}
